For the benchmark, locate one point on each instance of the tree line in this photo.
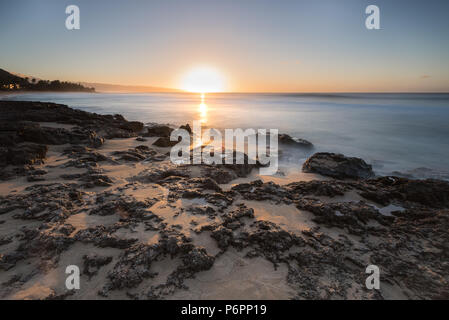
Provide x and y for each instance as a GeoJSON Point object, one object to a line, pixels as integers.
{"type": "Point", "coordinates": [10, 82]}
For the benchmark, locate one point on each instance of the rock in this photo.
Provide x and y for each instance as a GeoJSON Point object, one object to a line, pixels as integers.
{"type": "Point", "coordinates": [94, 140]}
{"type": "Point", "coordinates": [158, 131]}
{"type": "Point", "coordinates": [119, 133]}
{"type": "Point", "coordinates": [133, 126]}
{"type": "Point", "coordinates": [17, 117]}
{"type": "Point", "coordinates": [93, 262]}
{"type": "Point", "coordinates": [101, 237]}
{"type": "Point", "coordinates": [191, 194]}
{"type": "Point", "coordinates": [33, 132]}
{"type": "Point", "coordinates": [338, 166]}
{"type": "Point", "coordinates": [232, 219]}
{"type": "Point", "coordinates": [96, 180]}
{"type": "Point", "coordinates": [198, 260]}
{"type": "Point", "coordinates": [208, 184]}
{"type": "Point", "coordinates": [133, 266]}
{"type": "Point", "coordinates": [187, 128]}
{"type": "Point", "coordinates": [25, 153]}
{"type": "Point", "coordinates": [34, 178]}
{"type": "Point", "coordinates": [62, 296]}
{"type": "Point", "coordinates": [15, 111]}
{"type": "Point", "coordinates": [140, 153]}
{"type": "Point", "coordinates": [220, 175]}
{"type": "Point", "coordinates": [257, 190]}
{"type": "Point", "coordinates": [38, 172]}
{"type": "Point", "coordinates": [5, 240]}
{"type": "Point", "coordinates": [423, 173]}
{"type": "Point", "coordinates": [284, 138]}
{"type": "Point", "coordinates": [164, 142]}
{"type": "Point", "coordinates": [329, 189]}
{"type": "Point", "coordinates": [244, 169]}
{"type": "Point", "coordinates": [130, 155]}
{"type": "Point", "coordinates": [430, 193]}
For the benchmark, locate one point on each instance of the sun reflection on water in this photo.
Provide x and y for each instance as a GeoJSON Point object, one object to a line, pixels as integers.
{"type": "Point", "coordinates": [202, 108]}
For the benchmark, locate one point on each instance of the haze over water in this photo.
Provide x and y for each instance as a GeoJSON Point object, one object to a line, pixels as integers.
{"type": "Point", "coordinates": [393, 132]}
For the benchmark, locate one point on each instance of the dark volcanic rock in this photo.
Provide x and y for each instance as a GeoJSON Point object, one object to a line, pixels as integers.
{"type": "Point", "coordinates": [338, 166]}
{"type": "Point", "coordinates": [52, 202]}
{"type": "Point", "coordinates": [430, 193]}
{"type": "Point", "coordinates": [198, 260]}
{"type": "Point", "coordinates": [15, 111]}
{"type": "Point", "coordinates": [99, 180]}
{"type": "Point", "coordinates": [33, 132]}
{"type": "Point", "coordinates": [134, 126]}
{"type": "Point", "coordinates": [220, 175]}
{"type": "Point", "coordinates": [133, 266]}
{"type": "Point", "coordinates": [94, 140]}
{"type": "Point", "coordinates": [101, 237]}
{"type": "Point", "coordinates": [187, 128]}
{"type": "Point", "coordinates": [164, 142]}
{"type": "Point", "coordinates": [318, 188]}
{"type": "Point", "coordinates": [158, 131]}
{"type": "Point", "coordinates": [244, 169]}
{"type": "Point", "coordinates": [288, 140]}
{"type": "Point", "coordinates": [44, 245]}
{"type": "Point", "coordinates": [25, 153]}
{"type": "Point", "coordinates": [257, 190]}
{"type": "Point", "coordinates": [93, 262]}
{"type": "Point", "coordinates": [19, 123]}
{"type": "Point", "coordinates": [35, 178]}
{"type": "Point", "coordinates": [140, 153]}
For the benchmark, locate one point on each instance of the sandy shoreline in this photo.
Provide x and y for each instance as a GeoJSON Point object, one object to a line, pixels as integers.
{"type": "Point", "coordinates": [140, 227]}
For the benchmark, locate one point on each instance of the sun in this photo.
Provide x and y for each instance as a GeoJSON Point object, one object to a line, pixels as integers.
{"type": "Point", "coordinates": [203, 80]}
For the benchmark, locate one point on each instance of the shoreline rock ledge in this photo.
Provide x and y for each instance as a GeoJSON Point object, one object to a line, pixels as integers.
{"type": "Point", "coordinates": [338, 166]}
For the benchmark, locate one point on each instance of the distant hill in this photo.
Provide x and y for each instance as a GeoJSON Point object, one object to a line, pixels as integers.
{"type": "Point", "coordinates": [14, 81]}
{"type": "Point", "coordinates": [104, 87]}
{"type": "Point", "coordinates": [11, 82]}
{"type": "Point", "coordinates": [8, 78]}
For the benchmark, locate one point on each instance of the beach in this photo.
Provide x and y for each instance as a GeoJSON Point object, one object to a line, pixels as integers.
{"type": "Point", "coordinates": [96, 191]}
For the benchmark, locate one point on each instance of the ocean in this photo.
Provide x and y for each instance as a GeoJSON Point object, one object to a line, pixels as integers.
{"type": "Point", "coordinates": [406, 133]}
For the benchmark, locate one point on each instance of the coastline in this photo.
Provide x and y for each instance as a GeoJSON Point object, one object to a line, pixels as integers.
{"type": "Point", "coordinates": [99, 194]}
{"type": "Point", "coordinates": [388, 143]}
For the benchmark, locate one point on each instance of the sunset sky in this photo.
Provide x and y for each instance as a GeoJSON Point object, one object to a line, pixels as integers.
{"type": "Point", "coordinates": [255, 45]}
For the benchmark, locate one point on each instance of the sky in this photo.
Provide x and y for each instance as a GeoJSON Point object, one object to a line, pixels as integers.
{"type": "Point", "coordinates": [256, 45]}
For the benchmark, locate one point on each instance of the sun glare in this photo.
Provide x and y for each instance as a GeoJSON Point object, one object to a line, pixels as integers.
{"type": "Point", "coordinates": [203, 80]}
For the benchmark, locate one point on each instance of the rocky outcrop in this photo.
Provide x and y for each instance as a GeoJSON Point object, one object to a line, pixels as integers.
{"type": "Point", "coordinates": [285, 139]}
{"type": "Point", "coordinates": [19, 111]}
{"type": "Point", "coordinates": [23, 153]}
{"type": "Point", "coordinates": [338, 166]}
{"type": "Point", "coordinates": [140, 153]}
{"type": "Point", "coordinates": [93, 262]}
{"type": "Point", "coordinates": [164, 131]}
{"type": "Point", "coordinates": [158, 131]}
{"type": "Point", "coordinates": [164, 142]}
{"type": "Point", "coordinates": [187, 128]}
{"type": "Point", "coordinates": [19, 125]}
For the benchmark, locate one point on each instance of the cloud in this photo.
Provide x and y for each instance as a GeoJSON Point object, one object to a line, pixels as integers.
{"type": "Point", "coordinates": [425, 76]}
